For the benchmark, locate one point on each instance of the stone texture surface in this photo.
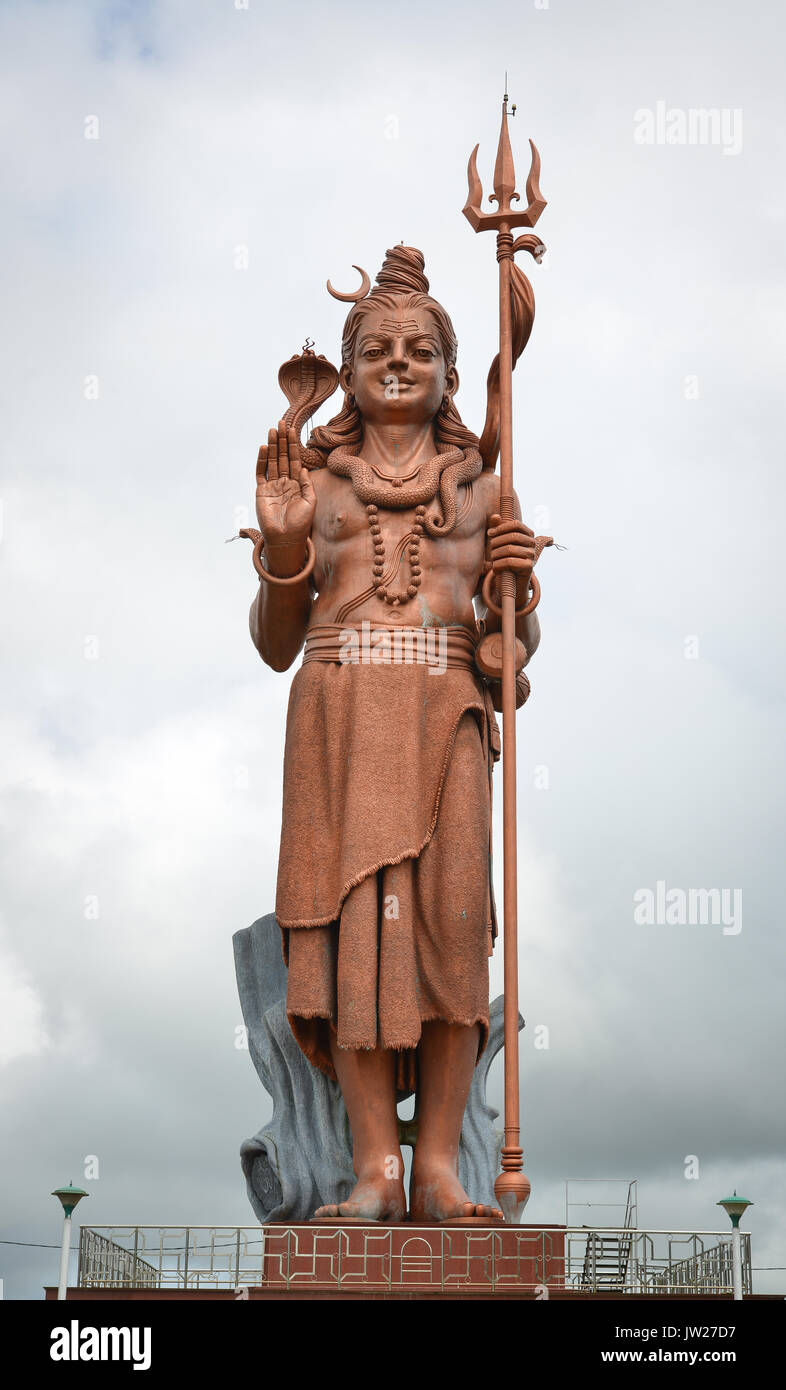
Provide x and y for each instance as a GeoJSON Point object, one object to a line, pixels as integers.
{"type": "Point", "coordinates": [302, 1157]}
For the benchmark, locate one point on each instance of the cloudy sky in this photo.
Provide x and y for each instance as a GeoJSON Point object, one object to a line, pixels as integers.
{"type": "Point", "coordinates": [142, 736]}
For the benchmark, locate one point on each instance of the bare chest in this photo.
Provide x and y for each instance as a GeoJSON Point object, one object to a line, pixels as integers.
{"type": "Point", "coordinates": [349, 537]}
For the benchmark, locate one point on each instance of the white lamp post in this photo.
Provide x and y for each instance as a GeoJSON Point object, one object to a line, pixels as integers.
{"type": "Point", "coordinates": [68, 1196]}
{"type": "Point", "coordinates": [734, 1208]}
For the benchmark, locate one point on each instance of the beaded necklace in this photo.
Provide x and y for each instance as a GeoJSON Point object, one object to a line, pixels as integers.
{"type": "Point", "coordinates": [375, 488]}
{"type": "Point", "coordinates": [411, 542]}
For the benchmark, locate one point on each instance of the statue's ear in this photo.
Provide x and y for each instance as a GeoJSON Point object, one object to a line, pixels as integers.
{"type": "Point", "coordinates": [451, 381]}
{"type": "Point", "coordinates": [345, 378]}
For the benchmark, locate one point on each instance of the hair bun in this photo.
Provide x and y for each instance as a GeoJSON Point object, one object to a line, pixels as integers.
{"type": "Point", "coordinates": [402, 271]}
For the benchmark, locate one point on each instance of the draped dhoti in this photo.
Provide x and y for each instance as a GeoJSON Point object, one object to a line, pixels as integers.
{"type": "Point", "coordinates": [384, 889]}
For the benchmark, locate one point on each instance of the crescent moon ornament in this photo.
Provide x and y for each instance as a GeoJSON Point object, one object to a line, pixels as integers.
{"type": "Point", "coordinates": [352, 296]}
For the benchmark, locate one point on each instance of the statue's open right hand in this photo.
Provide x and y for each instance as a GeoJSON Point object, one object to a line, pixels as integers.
{"type": "Point", "coordinates": [286, 500]}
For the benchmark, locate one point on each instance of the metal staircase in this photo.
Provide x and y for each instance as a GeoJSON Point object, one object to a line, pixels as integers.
{"type": "Point", "coordinates": [607, 1254]}
{"type": "Point", "coordinates": [606, 1261]}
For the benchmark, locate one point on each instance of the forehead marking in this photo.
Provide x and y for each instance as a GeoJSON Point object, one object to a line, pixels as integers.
{"type": "Point", "coordinates": [399, 325]}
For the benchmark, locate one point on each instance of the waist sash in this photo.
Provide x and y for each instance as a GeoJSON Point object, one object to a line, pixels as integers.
{"type": "Point", "coordinates": [383, 644]}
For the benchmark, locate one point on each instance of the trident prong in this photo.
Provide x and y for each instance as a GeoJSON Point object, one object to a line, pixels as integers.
{"type": "Point", "coordinates": [504, 188]}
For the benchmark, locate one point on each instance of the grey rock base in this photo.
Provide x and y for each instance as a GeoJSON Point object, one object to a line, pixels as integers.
{"type": "Point", "coordinates": [302, 1158]}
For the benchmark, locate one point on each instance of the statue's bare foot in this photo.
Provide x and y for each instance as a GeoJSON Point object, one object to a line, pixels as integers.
{"type": "Point", "coordinates": [373, 1198]}
{"type": "Point", "coordinates": [437, 1195]}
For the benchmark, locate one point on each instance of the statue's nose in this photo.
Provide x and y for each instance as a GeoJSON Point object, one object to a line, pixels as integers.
{"type": "Point", "coordinates": [398, 356]}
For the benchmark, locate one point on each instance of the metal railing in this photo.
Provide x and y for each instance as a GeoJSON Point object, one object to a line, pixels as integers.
{"type": "Point", "coordinates": [103, 1261]}
{"type": "Point", "coordinates": [472, 1259]}
{"type": "Point", "coordinates": [627, 1203]}
{"type": "Point", "coordinates": [712, 1269]}
{"type": "Point", "coordinates": [170, 1257]}
{"type": "Point", "coordinates": [606, 1254]}
{"type": "Point", "coordinates": [654, 1262]}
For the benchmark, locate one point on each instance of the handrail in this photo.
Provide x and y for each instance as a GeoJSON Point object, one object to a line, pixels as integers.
{"type": "Point", "coordinates": [586, 1258]}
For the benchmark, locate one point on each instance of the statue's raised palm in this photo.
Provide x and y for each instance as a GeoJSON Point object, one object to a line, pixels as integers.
{"type": "Point", "coordinates": [285, 494]}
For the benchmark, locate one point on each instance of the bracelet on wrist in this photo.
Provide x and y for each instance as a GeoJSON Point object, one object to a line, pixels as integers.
{"type": "Point", "coordinates": [250, 533]}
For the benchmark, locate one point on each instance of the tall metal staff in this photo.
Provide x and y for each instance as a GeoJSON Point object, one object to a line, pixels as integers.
{"type": "Point", "coordinates": [512, 1187]}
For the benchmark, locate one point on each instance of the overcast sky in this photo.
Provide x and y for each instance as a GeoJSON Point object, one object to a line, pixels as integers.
{"type": "Point", "coordinates": [142, 736]}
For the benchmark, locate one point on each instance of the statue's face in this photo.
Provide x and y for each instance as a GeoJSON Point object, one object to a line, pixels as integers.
{"type": "Point", "coordinates": [399, 374]}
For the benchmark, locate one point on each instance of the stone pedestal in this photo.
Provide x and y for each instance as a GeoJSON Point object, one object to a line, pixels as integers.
{"type": "Point", "coordinates": [312, 1261]}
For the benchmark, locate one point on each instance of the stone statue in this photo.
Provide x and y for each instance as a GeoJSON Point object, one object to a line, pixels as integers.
{"type": "Point", "coordinates": [301, 1158]}
{"type": "Point", "coordinates": [374, 543]}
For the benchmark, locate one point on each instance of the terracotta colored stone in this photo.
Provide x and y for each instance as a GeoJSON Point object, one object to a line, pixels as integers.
{"type": "Point", "coordinates": [391, 521]}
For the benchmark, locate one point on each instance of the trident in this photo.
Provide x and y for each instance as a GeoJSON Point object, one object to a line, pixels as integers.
{"type": "Point", "coordinates": [512, 1187]}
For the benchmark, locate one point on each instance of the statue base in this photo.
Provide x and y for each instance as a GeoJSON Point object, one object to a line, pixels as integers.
{"type": "Point", "coordinates": [453, 1259]}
